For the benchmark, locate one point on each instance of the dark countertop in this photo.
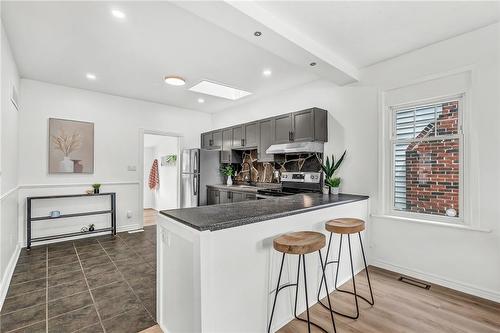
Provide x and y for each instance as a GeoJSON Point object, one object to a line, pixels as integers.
{"type": "Point", "coordinates": [217, 217]}
{"type": "Point", "coordinates": [245, 188]}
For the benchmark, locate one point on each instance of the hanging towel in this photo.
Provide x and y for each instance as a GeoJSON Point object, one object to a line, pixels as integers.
{"type": "Point", "coordinates": [154, 179]}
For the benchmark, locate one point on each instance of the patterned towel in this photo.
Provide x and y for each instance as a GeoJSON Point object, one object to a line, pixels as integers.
{"type": "Point", "coordinates": [154, 179]}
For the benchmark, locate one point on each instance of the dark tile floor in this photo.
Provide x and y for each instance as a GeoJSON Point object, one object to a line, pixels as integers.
{"type": "Point", "coordinates": [99, 284]}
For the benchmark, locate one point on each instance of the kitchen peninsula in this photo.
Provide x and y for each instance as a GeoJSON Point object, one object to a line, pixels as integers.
{"type": "Point", "coordinates": [217, 268]}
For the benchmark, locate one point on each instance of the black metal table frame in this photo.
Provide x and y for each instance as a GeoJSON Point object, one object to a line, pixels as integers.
{"type": "Point", "coordinates": [30, 219]}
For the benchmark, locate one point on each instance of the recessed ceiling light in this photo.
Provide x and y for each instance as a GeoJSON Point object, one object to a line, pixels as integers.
{"type": "Point", "coordinates": [257, 33]}
{"type": "Point", "coordinates": [175, 80]}
{"type": "Point", "coordinates": [90, 76]}
{"type": "Point", "coordinates": [118, 13]}
{"type": "Point", "coordinates": [201, 100]}
{"type": "Point", "coordinates": [219, 90]}
{"type": "Point", "coordinates": [312, 64]}
{"type": "Point", "coordinates": [267, 72]}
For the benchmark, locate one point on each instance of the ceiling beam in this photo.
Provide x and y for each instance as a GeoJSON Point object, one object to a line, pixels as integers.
{"type": "Point", "coordinates": [243, 18]}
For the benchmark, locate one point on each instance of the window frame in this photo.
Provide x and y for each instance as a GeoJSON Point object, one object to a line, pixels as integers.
{"type": "Point", "coordinates": [391, 140]}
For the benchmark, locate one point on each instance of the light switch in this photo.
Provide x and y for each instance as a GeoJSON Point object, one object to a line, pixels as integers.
{"type": "Point", "coordinates": [132, 168]}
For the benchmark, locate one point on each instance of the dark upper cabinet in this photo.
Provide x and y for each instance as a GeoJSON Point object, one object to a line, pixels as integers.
{"type": "Point", "coordinates": [238, 136]}
{"type": "Point", "coordinates": [303, 126]}
{"type": "Point", "coordinates": [251, 131]}
{"type": "Point", "coordinates": [227, 143]}
{"type": "Point", "coordinates": [282, 128]}
{"type": "Point", "coordinates": [211, 140]}
{"type": "Point", "coordinates": [206, 140]}
{"type": "Point", "coordinates": [266, 139]}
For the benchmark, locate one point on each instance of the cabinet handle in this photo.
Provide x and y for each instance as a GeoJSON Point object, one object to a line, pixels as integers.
{"type": "Point", "coordinates": [289, 135]}
{"type": "Point", "coordinates": [210, 142]}
{"type": "Point", "coordinates": [242, 142]}
{"type": "Point", "coordinates": [292, 134]}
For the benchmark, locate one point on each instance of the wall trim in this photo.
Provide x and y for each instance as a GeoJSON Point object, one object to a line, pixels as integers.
{"type": "Point", "coordinates": [9, 192]}
{"type": "Point", "coordinates": [28, 186]}
{"type": "Point", "coordinates": [7, 276]}
{"type": "Point", "coordinates": [440, 280]}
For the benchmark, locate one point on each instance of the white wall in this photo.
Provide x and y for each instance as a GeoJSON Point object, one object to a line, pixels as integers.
{"type": "Point", "coordinates": [462, 259]}
{"type": "Point", "coordinates": [148, 195]}
{"type": "Point", "coordinates": [352, 118]}
{"type": "Point", "coordinates": [117, 123]}
{"type": "Point", "coordinates": [9, 167]}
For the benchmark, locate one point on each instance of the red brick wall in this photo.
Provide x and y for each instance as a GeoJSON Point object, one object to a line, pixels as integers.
{"type": "Point", "coordinates": [432, 168]}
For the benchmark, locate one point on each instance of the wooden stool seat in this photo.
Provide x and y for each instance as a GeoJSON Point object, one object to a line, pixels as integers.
{"type": "Point", "coordinates": [345, 225]}
{"type": "Point", "coordinates": [301, 242]}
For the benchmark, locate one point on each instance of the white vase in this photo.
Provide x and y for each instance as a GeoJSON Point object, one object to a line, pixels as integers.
{"type": "Point", "coordinates": [229, 181]}
{"type": "Point", "coordinates": [335, 190]}
{"type": "Point", "coordinates": [66, 165]}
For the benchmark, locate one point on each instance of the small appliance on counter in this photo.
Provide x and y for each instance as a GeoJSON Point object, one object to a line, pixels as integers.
{"type": "Point", "coordinates": [294, 183]}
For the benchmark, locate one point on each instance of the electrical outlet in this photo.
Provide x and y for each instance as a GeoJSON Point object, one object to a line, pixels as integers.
{"type": "Point", "coordinates": [129, 214]}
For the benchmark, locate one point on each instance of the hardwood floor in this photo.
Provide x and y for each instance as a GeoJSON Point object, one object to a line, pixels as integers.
{"type": "Point", "coordinates": [400, 307]}
{"type": "Point", "coordinates": [154, 329]}
{"type": "Point", "coordinates": [150, 216]}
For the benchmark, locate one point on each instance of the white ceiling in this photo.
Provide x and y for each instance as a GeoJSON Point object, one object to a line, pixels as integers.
{"type": "Point", "coordinates": [59, 42]}
{"type": "Point", "coordinates": [369, 32]}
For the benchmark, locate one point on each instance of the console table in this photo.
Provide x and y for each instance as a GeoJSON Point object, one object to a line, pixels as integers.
{"type": "Point", "coordinates": [30, 219]}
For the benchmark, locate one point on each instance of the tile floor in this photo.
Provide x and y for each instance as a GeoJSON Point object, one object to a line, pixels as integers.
{"type": "Point", "coordinates": [91, 285]}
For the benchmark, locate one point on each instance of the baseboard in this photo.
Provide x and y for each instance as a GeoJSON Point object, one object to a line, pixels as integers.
{"type": "Point", "coordinates": [129, 227]}
{"type": "Point", "coordinates": [439, 280]}
{"type": "Point", "coordinates": [7, 276]}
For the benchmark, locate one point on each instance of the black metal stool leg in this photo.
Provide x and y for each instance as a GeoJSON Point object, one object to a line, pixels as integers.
{"type": "Point", "coordinates": [305, 290]}
{"type": "Point", "coordinates": [323, 267]}
{"type": "Point", "coordinates": [353, 280]}
{"type": "Point", "coordinates": [366, 270]}
{"type": "Point", "coordinates": [276, 293]}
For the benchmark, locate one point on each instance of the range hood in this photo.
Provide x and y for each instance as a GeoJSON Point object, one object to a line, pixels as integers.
{"type": "Point", "coordinates": [296, 148]}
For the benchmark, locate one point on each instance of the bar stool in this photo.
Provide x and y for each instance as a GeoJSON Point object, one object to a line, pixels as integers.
{"type": "Point", "coordinates": [301, 243]}
{"type": "Point", "coordinates": [346, 226]}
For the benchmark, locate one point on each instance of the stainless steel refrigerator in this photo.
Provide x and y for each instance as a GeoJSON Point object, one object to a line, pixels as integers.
{"type": "Point", "coordinates": [199, 168]}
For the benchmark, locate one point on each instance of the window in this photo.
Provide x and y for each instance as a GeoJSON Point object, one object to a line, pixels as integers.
{"type": "Point", "coordinates": [426, 159]}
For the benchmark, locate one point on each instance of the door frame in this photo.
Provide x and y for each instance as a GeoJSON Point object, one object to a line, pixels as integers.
{"type": "Point", "coordinates": [142, 132]}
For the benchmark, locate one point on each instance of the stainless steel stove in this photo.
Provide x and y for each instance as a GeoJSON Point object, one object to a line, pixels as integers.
{"type": "Point", "coordinates": [293, 183]}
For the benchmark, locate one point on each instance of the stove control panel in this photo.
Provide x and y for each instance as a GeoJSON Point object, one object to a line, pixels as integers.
{"type": "Point", "coordinates": [301, 177]}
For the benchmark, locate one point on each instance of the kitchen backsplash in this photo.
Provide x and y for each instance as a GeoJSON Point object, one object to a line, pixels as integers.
{"type": "Point", "coordinates": [263, 171]}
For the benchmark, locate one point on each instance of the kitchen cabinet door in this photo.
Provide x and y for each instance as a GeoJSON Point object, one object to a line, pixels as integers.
{"type": "Point", "coordinates": [227, 140]}
{"type": "Point", "coordinates": [250, 196]}
{"type": "Point", "coordinates": [251, 134]}
{"type": "Point", "coordinates": [238, 136]}
{"type": "Point", "coordinates": [237, 196]}
{"type": "Point", "coordinates": [225, 197]}
{"type": "Point", "coordinates": [217, 139]}
{"type": "Point", "coordinates": [283, 128]}
{"type": "Point", "coordinates": [266, 139]}
{"type": "Point", "coordinates": [303, 125]}
{"type": "Point", "coordinates": [212, 197]}
{"type": "Point", "coordinates": [206, 140]}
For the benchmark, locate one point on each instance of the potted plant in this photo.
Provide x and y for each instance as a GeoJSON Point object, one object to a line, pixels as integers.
{"type": "Point", "coordinates": [330, 168]}
{"type": "Point", "coordinates": [334, 184]}
{"type": "Point", "coordinates": [96, 188]}
{"type": "Point", "coordinates": [228, 171]}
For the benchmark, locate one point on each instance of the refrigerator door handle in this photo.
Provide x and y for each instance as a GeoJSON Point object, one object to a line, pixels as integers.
{"type": "Point", "coordinates": [196, 161]}
{"type": "Point", "coordinates": [195, 185]}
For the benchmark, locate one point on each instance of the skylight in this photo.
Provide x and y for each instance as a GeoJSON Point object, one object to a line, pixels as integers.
{"type": "Point", "coordinates": [219, 90]}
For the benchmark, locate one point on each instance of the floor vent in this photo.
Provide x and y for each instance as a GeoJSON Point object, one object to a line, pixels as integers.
{"type": "Point", "coordinates": [415, 283]}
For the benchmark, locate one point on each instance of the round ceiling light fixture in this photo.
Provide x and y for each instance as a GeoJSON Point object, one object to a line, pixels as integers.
{"type": "Point", "coordinates": [175, 80]}
{"type": "Point", "coordinates": [257, 34]}
{"type": "Point", "coordinates": [312, 64]}
{"type": "Point", "coordinates": [267, 72]}
{"type": "Point", "coordinates": [91, 76]}
{"type": "Point", "coordinates": [201, 100]}
{"type": "Point", "coordinates": [118, 14]}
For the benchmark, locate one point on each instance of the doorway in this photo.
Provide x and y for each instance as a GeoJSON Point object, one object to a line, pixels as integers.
{"type": "Point", "coordinates": [160, 169]}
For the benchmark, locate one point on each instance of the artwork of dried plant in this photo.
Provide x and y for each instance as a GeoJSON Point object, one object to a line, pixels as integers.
{"type": "Point", "coordinates": [67, 143]}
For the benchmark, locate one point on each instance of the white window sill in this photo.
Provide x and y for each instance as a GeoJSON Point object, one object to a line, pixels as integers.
{"type": "Point", "coordinates": [434, 223]}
